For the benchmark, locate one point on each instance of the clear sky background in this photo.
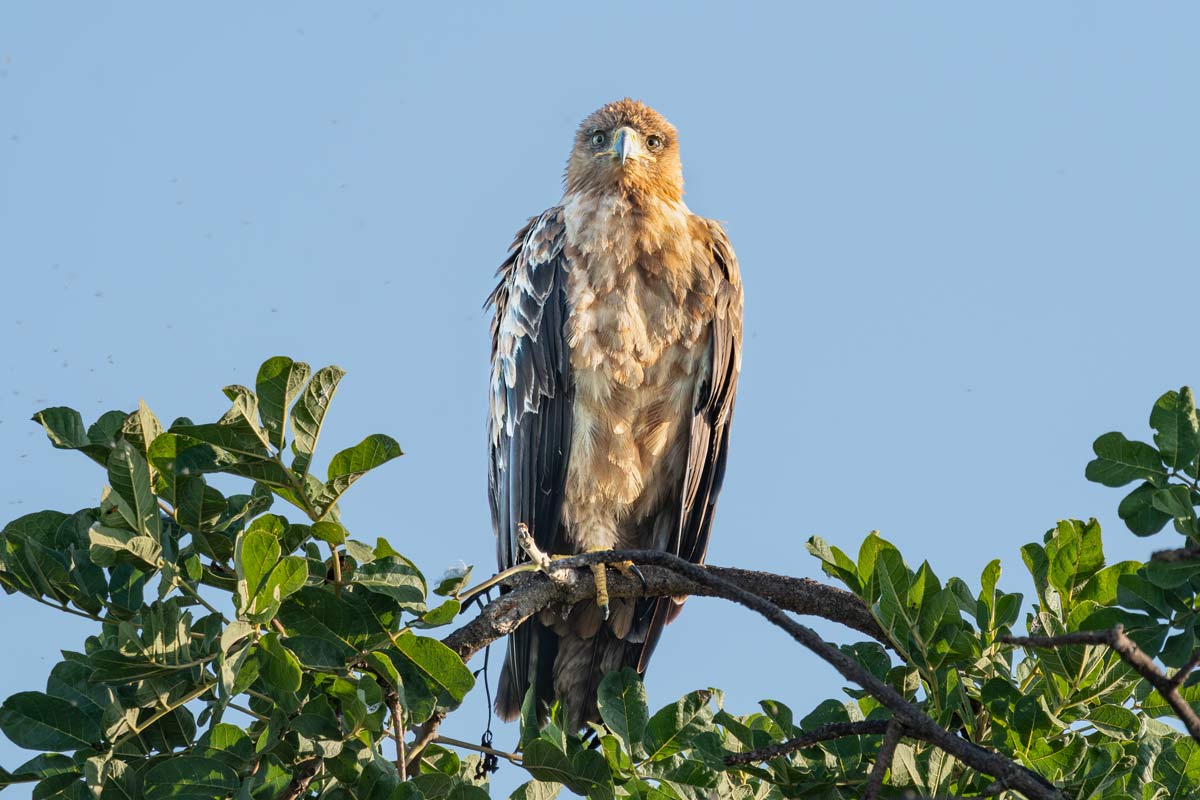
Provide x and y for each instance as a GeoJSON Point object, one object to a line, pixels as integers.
{"type": "Point", "coordinates": [968, 237]}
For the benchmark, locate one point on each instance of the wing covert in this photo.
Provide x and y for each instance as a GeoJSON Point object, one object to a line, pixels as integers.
{"type": "Point", "coordinates": [529, 425]}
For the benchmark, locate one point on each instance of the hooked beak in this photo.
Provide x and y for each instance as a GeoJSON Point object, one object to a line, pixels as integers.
{"type": "Point", "coordinates": [627, 144]}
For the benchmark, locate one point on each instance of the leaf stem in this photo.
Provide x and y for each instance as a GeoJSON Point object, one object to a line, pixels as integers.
{"type": "Point", "coordinates": [185, 586]}
{"type": "Point", "coordinates": [337, 570]}
{"type": "Point", "coordinates": [137, 730]}
{"type": "Point", "coordinates": [467, 596]}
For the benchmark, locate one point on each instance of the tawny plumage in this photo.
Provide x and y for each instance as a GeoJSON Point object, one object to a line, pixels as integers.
{"type": "Point", "coordinates": [616, 346]}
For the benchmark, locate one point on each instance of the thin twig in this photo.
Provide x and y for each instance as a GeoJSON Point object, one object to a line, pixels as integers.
{"type": "Point", "coordinates": [397, 732]}
{"type": "Point", "coordinates": [337, 570]}
{"type": "Point", "coordinates": [1182, 673]}
{"type": "Point", "coordinates": [883, 760]}
{"type": "Point", "coordinates": [304, 773]}
{"type": "Point", "coordinates": [994, 788]}
{"type": "Point", "coordinates": [185, 586]}
{"type": "Point", "coordinates": [426, 733]}
{"type": "Point", "coordinates": [1132, 655]}
{"type": "Point", "coordinates": [248, 712]}
{"type": "Point", "coordinates": [512, 758]}
{"type": "Point", "coordinates": [833, 730]}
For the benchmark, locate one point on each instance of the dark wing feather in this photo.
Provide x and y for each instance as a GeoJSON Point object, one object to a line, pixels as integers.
{"type": "Point", "coordinates": [711, 418]}
{"type": "Point", "coordinates": [529, 426]}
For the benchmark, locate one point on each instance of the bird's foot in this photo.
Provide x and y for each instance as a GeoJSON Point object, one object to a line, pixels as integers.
{"type": "Point", "coordinates": [543, 560]}
{"type": "Point", "coordinates": [626, 568]}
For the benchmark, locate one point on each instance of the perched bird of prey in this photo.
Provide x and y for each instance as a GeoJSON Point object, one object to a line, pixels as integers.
{"type": "Point", "coordinates": [616, 347]}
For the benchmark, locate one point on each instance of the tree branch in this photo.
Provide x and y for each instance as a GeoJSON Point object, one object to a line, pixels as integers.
{"type": "Point", "coordinates": [1132, 655]}
{"type": "Point", "coordinates": [1182, 554]}
{"type": "Point", "coordinates": [531, 592]}
{"type": "Point", "coordinates": [425, 734]}
{"type": "Point", "coordinates": [833, 730]}
{"type": "Point", "coordinates": [301, 778]}
{"type": "Point", "coordinates": [883, 760]}
{"type": "Point", "coordinates": [503, 615]}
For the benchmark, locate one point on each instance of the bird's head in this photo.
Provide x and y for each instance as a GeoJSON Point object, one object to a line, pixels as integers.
{"type": "Point", "coordinates": [628, 147]}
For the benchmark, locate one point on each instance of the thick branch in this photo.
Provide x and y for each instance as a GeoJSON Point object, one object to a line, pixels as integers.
{"type": "Point", "coordinates": [531, 592]}
{"type": "Point", "coordinates": [1132, 655]}
{"type": "Point", "coordinates": [570, 587]}
{"type": "Point", "coordinates": [1183, 554]}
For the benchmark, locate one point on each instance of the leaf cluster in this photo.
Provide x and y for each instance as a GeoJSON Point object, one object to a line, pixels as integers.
{"type": "Point", "coordinates": [237, 647]}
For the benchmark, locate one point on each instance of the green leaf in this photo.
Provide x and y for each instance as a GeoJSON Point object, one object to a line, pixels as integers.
{"type": "Point", "coordinates": [439, 666]}
{"type": "Point", "coordinates": [279, 382]}
{"type": "Point", "coordinates": [279, 667]}
{"type": "Point", "coordinates": [1138, 511]}
{"type": "Point", "coordinates": [673, 727]}
{"type": "Point", "coordinates": [141, 428]}
{"type": "Point", "coordinates": [1167, 574]}
{"type": "Point", "coordinates": [536, 790]}
{"type": "Point", "coordinates": [438, 616]}
{"type": "Point", "coordinates": [184, 777]}
{"type": "Point", "coordinates": [352, 463]}
{"type": "Point", "coordinates": [453, 580]}
{"type": "Point", "coordinates": [590, 775]}
{"type": "Point", "coordinates": [110, 545]}
{"type": "Point", "coordinates": [395, 578]}
{"type": "Point", "coordinates": [1075, 553]}
{"type": "Point", "coordinates": [546, 762]}
{"type": "Point", "coordinates": [1178, 648]}
{"type": "Point", "coordinates": [1101, 588]}
{"type": "Point", "coordinates": [314, 612]}
{"type": "Point", "coordinates": [1175, 500]}
{"type": "Point", "coordinates": [835, 563]}
{"type": "Point", "coordinates": [329, 532]}
{"type": "Point", "coordinates": [37, 721]}
{"type": "Point", "coordinates": [129, 476]}
{"type": "Point", "coordinates": [621, 699]}
{"type": "Point", "coordinates": [1134, 591]}
{"type": "Point", "coordinates": [255, 555]}
{"type": "Point", "coordinates": [1120, 461]}
{"type": "Point", "coordinates": [308, 415]}
{"type": "Point", "coordinates": [109, 666]}
{"type": "Point", "coordinates": [1115, 721]}
{"type": "Point", "coordinates": [64, 427]}
{"type": "Point", "coordinates": [1176, 428]}
{"type": "Point", "coordinates": [263, 579]}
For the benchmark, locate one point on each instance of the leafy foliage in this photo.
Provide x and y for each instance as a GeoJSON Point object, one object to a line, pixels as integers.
{"type": "Point", "coordinates": [291, 690]}
{"type": "Point", "coordinates": [315, 636]}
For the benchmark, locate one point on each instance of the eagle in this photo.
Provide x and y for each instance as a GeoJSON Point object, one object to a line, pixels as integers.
{"type": "Point", "coordinates": [616, 349]}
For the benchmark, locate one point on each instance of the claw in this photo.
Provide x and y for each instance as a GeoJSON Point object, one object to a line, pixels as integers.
{"type": "Point", "coordinates": [637, 573]}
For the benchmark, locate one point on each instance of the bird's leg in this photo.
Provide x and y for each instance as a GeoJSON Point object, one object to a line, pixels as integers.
{"type": "Point", "coordinates": [601, 575]}
{"type": "Point", "coordinates": [545, 562]}
{"type": "Point", "coordinates": [626, 568]}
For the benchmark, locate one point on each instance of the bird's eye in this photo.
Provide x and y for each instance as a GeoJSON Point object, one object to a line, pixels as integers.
{"type": "Point", "coordinates": [598, 138]}
{"type": "Point", "coordinates": [654, 142]}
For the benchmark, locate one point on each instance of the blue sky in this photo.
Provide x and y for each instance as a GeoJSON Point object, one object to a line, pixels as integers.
{"type": "Point", "coordinates": [967, 234]}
